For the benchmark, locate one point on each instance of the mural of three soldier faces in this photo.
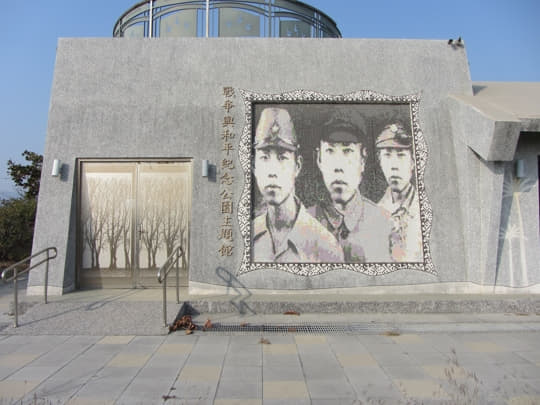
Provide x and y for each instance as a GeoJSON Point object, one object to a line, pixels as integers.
{"type": "Point", "coordinates": [330, 193]}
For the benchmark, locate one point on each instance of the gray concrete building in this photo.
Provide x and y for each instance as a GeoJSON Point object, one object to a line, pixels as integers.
{"type": "Point", "coordinates": [284, 158]}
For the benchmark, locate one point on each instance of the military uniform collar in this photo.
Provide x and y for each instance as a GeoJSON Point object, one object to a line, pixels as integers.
{"type": "Point", "coordinates": [409, 196]}
{"type": "Point", "coordinates": [353, 213]}
{"type": "Point", "coordinates": [296, 235]}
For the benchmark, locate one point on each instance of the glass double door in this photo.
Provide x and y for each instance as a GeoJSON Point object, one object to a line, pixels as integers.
{"type": "Point", "coordinates": [132, 215]}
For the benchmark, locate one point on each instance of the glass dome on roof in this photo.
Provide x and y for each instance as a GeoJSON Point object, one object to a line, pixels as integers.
{"type": "Point", "coordinates": [225, 18]}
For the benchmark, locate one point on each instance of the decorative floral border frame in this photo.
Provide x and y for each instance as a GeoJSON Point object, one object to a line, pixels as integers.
{"type": "Point", "coordinates": [312, 269]}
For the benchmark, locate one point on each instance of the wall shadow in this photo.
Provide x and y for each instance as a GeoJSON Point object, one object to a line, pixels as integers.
{"type": "Point", "coordinates": [235, 286]}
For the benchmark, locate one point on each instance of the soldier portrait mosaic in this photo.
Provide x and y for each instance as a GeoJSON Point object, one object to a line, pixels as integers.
{"type": "Point", "coordinates": [333, 182]}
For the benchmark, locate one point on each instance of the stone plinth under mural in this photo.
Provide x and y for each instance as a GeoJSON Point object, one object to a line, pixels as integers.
{"type": "Point", "coordinates": [346, 165]}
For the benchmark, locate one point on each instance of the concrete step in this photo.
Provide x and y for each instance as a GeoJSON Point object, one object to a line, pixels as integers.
{"type": "Point", "coordinates": [310, 303]}
{"type": "Point", "coordinates": [139, 312]}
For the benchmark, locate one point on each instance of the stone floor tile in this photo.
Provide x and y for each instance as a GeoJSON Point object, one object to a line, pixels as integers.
{"type": "Point", "coordinates": [531, 356]}
{"type": "Point", "coordinates": [244, 373]}
{"type": "Point", "coordinates": [375, 340]}
{"type": "Point", "coordinates": [356, 360]}
{"type": "Point", "coordinates": [535, 384]}
{"type": "Point", "coordinates": [372, 391]}
{"type": "Point", "coordinates": [207, 359]}
{"type": "Point", "coordinates": [159, 369]}
{"type": "Point", "coordinates": [89, 401]}
{"type": "Point", "coordinates": [181, 337]}
{"type": "Point", "coordinates": [405, 372]}
{"type": "Point", "coordinates": [284, 361]}
{"type": "Point", "coordinates": [147, 341]}
{"type": "Point", "coordinates": [149, 388]}
{"type": "Point", "coordinates": [343, 340]}
{"type": "Point", "coordinates": [524, 400]}
{"type": "Point", "coordinates": [310, 340]}
{"type": "Point", "coordinates": [61, 355]}
{"type": "Point", "coordinates": [115, 340]}
{"type": "Point", "coordinates": [106, 373]}
{"type": "Point", "coordinates": [107, 388]}
{"type": "Point", "coordinates": [483, 347]}
{"type": "Point", "coordinates": [279, 349]}
{"type": "Point", "coordinates": [421, 388]}
{"type": "Point", "coordinates": [238, 388]}
{"type": "Point", "coordinates": [277, 373]}
{"type": "Point", "coordinates": [295, 401]}
{"type": "Point", "coordinates": [209, 350]}
{"type": "Point", "coordinates": [408, 339]}
{"type": "Point", "coordinates": [189, 389]}
{"type": "Point", "coordinates": [442, 342]}
{"type": "Point", "coordinates": [427, 358]}
{"type": "Point", "coordinates": [251, 358]}
{"type": "Point", "coordinates": [471, 358]}
{"type": "Point", "coordinates": [172, 349]}
{"type": "Point", "coordinates": [368, 373]}
{"type": "Point", "coordinates": [442, 371]}
{"type": "Point", "coordinates": [349, 347]}
{"type": "Point", "coordinates": [128, 360]}
{"type": "Point", "coordinates": [16, 389]}
{"type": "Point", "coordinates": [33, 373]}
{"type": "Point", "coordinates": [7, 371]}
{"type": "Point", "coordinates": [245, 341]}
{"type": "Point", "coordinates": [389, 359]}
{"type": "Point", "coordinates": [322, 371]}
{"type": "Point", "coordinates": [200, 373]}
{"type": "Point", "coordinates": [393, 348]}
{"type": "Point", "coordinates": [16, 360]}
{"type": "Point", "coordinates": [9, 346]}
{"type": "Point", "coordinates": [311, 360]}
{"type": "Point", "coordinates": [285, 390]}
{"type": "Point", "coordinates": [278, 339]}
{"type": "Point", "coordinates": [238, 401]}
{"type": "Point", "coordinates": [158, 359]}
{"type": "Point", "coordinates": [330, 388]}
{"type": "Point", "coordinates": [521, 371]}
{"type": "Point", "coordinates": [506, 358]}
{"type": "Point", "coordinates": [213, 340]}
{"type": "Point", "coordinates": [252, 347]}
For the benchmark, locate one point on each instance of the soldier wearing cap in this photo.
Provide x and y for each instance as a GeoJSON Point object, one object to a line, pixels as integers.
{"type": "Point", "coordinates": [285, 232]}
{"type": "Point", "coordinates": [361, 227]}
{"type": "Point", "coordinates": [394, 149]}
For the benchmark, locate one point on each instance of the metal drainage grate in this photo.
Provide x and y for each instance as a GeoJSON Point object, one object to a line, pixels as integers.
{"type": "Point", "coordinates": [302, 328]}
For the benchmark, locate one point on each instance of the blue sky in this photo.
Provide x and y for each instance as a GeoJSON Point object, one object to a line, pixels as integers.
{"type": "Point", "coordinates": [502, 40]}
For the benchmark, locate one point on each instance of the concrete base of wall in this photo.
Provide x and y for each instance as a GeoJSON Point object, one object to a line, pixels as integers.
{"type": "Point", "coordinates": [196, 288]}
{"type": "Point", "coordinates": [338, 304]}
{"type": "Point", "coordinates": [51, 290]}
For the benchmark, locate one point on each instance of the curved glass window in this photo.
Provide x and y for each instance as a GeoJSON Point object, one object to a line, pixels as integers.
{"type": "Point", "coordinates": [226, 18]}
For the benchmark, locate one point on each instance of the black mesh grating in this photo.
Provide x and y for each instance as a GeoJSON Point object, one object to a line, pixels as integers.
{"type": "Point", "coordinates": [298, 328]}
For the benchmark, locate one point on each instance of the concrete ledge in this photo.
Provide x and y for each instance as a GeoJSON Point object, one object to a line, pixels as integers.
{"type": "Point", "coordinates": [488, 130]}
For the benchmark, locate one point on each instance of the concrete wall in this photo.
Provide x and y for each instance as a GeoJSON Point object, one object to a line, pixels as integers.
{"type": "Point", "coordinates": [159, 98]}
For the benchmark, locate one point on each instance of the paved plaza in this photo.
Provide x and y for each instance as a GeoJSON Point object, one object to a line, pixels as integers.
{"type": "Point", "coordinates": [394, 359]}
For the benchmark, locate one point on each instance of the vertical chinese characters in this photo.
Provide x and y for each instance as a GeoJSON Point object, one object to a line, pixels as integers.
{"type": "Point", "coordinates": [226, 178]}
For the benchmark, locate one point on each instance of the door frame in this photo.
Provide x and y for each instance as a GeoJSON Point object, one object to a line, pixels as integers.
{"type": "Point", "coordinates": [79, 162]}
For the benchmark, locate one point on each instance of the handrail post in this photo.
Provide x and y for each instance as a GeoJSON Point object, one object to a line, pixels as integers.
{"type": "Point", "coordinates": [165, 300]}
{"type": "Point", "coordinates": [177, 275]}
{"type": "Point", "coordinates": [46, 276]}
{"type": "Point", "coordinates": [15, 298]}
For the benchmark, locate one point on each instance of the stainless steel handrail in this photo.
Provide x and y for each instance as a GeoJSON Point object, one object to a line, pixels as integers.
{"type": "Point", "coordinates": [172, 261]}
{"type": "Point", "coordinates": [17, 273]}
